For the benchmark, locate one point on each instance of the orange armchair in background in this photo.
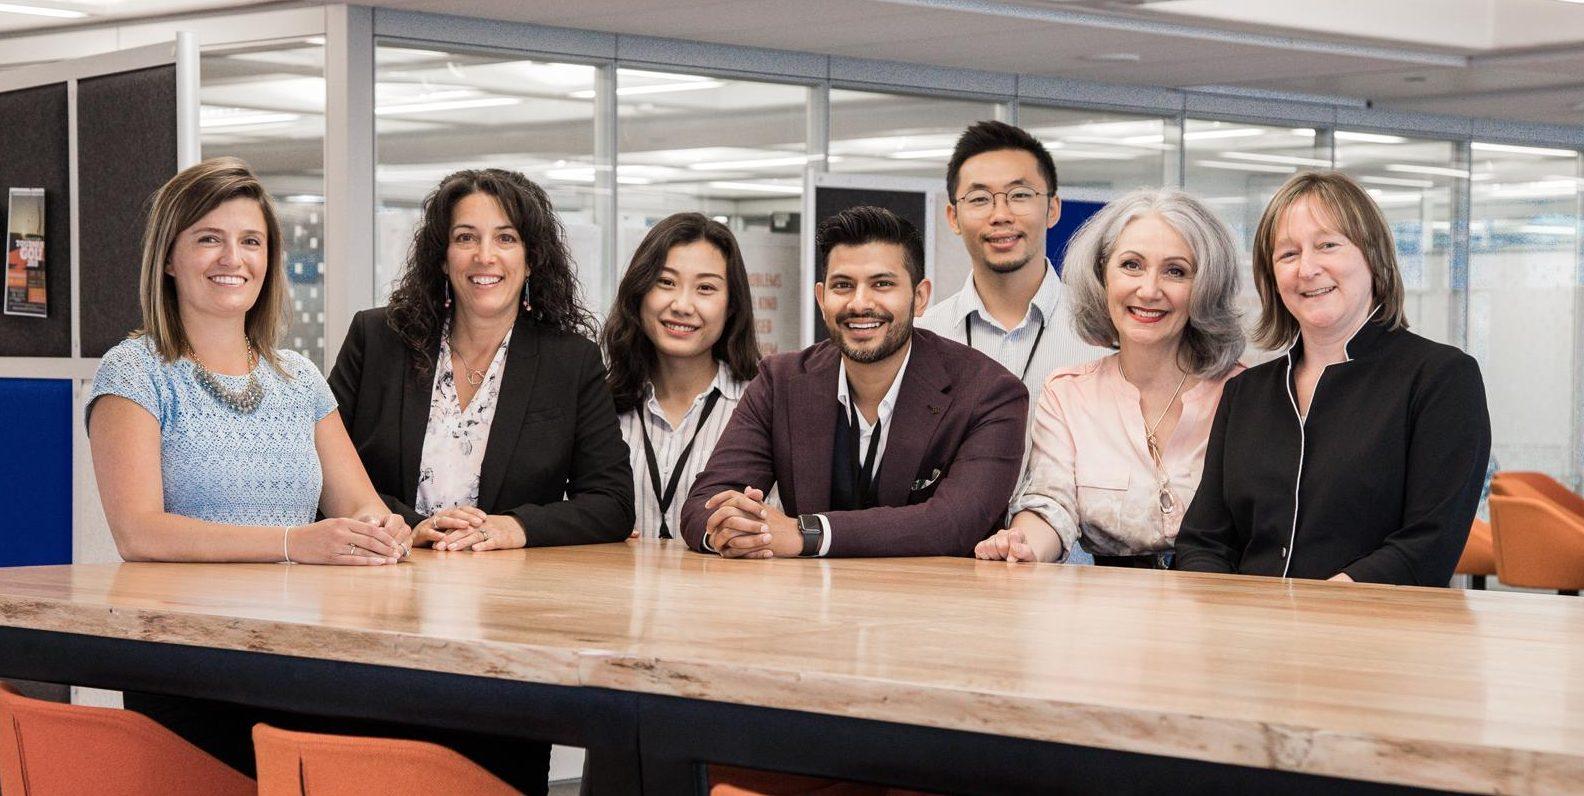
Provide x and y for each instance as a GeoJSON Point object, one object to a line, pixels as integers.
{"type": "Point", "coordinates": [298, 763]}
{"type": "Point", "coordinates": [1538, 544]}
{"type": "Point", "coordinates": [48, 748]}
{"type": "Point", "coordinates": [1479, 556]}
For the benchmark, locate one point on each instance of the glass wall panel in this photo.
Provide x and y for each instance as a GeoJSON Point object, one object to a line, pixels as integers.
{"type": "Point", "coordinates": [439, 112]}
{"type": "Point", "coordinates": [264, 103]}
{"type": "Point", "coordinates": [1414, 182]}
{"type": "Point", "coordinates": [1099, 155]}
{"type": "Point", "coordinates": [734, 150]}
{"type": "Point", "coordinates": [1523, 299]}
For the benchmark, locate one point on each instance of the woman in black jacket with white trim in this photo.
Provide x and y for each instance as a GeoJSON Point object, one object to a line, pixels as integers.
{"type": "Point", "coordinates": [1359, 455]}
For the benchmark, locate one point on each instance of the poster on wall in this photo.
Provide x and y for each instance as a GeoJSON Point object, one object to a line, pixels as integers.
{"type": "Point", "coordinates": [25, 292]}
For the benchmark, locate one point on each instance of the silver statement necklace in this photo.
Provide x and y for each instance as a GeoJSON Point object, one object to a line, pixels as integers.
{"type": "Point", "coordinates": [244, 400]}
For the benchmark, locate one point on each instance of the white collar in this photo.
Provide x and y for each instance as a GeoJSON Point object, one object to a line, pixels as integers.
{"type": "Point", "coordinates": [731, 389]}
{"type": "Point", "coordinates": [887, 404]}
{"type": "Point", "coordinates": [1046, 300]}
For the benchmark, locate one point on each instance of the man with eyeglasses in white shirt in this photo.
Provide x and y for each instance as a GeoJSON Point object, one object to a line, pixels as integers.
{"type": "Point", "coordinates": [1002, 184]}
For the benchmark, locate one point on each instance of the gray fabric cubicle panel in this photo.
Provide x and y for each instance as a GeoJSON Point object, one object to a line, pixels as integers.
{"type": "Point", "coordinates": [126, 149]}
{"type": "Point", "coordinates": [33, 154]}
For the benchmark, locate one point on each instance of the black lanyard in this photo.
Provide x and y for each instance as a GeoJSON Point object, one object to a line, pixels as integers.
{"type": "Point", "coordinates": [968, 338]}
{"type": "Point", "coordinates": [667, 495]}
{"type": "Point", "coordinates": [862, 470]}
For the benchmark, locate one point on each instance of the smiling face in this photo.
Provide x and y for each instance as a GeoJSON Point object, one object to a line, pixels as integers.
{"type": "Point", "coordinates": [219, 264]}
{"type": "Point", "coordinates": [998, 238]}
{"type": "Point", "coordinates": [868, 300]}
{"type": "Point", "coordinates": [1149, 283]}
{"type": "Point", "coordinates": [684, 311]}
{"type": "Point", "coordinates": [1323, 278]}
{"type": "Point", "coordinates": [485, 259]}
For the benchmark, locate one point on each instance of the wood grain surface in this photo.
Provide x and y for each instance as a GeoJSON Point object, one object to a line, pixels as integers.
{"type": "Point", "coordinates": [1440, 688]}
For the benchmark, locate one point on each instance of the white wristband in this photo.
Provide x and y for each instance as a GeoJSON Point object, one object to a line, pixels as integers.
{"type": "Point", "coordinates": [285, 549]}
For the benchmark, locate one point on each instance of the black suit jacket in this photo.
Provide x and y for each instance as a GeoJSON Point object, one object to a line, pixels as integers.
{"type": "Point", "coordinates": [555, 459]}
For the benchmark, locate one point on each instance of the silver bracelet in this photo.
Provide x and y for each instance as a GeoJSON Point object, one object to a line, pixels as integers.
{"type": "Point", "coordinates": [285, 549]}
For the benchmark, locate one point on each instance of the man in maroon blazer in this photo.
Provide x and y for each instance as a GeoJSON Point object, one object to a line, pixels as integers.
{"type": "Point", "coordinates": [885, 440]}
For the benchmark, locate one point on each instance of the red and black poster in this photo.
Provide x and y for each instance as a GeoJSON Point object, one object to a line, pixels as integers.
{"type": "Point", "coordinates": [25, 293]}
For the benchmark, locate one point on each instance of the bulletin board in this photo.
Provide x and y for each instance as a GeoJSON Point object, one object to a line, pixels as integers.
{"type": "Point", "coordinates": [35, 154]}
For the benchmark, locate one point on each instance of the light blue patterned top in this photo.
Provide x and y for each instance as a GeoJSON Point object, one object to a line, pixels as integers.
{"type": "Point", "coordinates": [218, 464]}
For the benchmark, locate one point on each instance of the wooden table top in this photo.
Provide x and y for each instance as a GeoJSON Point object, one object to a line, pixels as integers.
{"type": "Point", "coordinates": [1431, 687]}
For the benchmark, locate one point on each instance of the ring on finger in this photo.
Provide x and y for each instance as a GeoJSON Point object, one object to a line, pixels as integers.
{"type": "Point", "coordinates": [485, 533]}
{"type": "Point", "coordinates": [352, 549]}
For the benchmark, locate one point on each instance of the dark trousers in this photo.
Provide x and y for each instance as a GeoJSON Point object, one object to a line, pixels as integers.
{"type": "Point", "coordinates": [225, 730]}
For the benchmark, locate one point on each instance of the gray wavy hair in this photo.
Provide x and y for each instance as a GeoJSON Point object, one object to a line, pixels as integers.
{"type": "Point", "coordinates": [1213, 339]}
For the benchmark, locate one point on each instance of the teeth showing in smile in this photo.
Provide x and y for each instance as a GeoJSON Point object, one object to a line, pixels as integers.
{"type": "Point", "coordinates": [227, 279]}
{"type": "Point", "coordinates": [999, 239]}
{"type": "Point", "coordinates": [484, 280]}
{"type": "Point", "coordinates": [1149, 314]}
{"type": "Point", "coordinates": [863, 325]}
{"type": "Point", "coordinates": [1320, 292]}
{"type": "Point", "coordinates": [678, 327]}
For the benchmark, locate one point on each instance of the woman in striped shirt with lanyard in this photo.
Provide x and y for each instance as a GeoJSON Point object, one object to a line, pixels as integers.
{"type": "Point", "coordinates": [681, 348]}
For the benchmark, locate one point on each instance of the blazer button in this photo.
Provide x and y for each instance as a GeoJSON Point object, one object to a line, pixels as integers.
{"type": "Point", "coordinates": [1284, 552]}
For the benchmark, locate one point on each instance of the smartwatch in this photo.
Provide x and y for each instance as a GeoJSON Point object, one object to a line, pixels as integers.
{"type": "Point", "coordinates": [813, 532]}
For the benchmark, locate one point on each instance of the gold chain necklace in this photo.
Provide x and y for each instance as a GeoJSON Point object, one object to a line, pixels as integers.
{"type": "Point", "coordinates": [1168, 503]}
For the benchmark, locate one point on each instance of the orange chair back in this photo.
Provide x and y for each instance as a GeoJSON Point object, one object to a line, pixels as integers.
{"type": "Point", "coordinates": [1537, 544]}
{"type": "Point", "coordinates": [1479, 554]}
{"type": "Point", "coordinates": [48, 748]}
{"type": "Point", "coordinates": [1521, 483]}
{"type": "Point", "coordinates": [298, 763]}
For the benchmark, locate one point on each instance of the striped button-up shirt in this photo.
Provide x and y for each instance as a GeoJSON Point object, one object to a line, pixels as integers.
{"type": "Point", "coordinates": [668, 443]}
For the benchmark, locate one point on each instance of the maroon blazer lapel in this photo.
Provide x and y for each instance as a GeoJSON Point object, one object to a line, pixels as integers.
{"type": "Point", "coordinates": [921, 403]}
{"type": "Point", "coordinates": [811, 425]}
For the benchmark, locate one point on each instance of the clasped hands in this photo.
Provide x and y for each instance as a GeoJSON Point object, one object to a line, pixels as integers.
{"type": "Point", "coordinates": [469, 528]}
{"type": "Point", "coordinates": [743, 525]}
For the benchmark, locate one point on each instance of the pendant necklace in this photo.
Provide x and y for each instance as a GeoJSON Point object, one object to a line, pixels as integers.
{"type": "Point", "coordinates": [1168, 503]}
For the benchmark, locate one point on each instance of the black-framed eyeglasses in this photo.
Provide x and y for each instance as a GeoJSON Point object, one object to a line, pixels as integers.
{"type": "Point", "coordinates": [1021, 201]}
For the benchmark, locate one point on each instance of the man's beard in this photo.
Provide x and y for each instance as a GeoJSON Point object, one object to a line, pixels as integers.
{"type": "Point", "coordinates": [896, 336]}
{"type": "Point", "coordinates": [1008, 267]}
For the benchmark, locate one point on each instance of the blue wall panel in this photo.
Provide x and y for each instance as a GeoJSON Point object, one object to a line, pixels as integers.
{"type": "Point", "coordinates": [1073, 213]}
{"type": "Point", "coordinates": [36, 469]}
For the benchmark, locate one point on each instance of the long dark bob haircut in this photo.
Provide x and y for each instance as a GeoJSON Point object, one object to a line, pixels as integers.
{"type": "Point", "coordinates": [417, 306]}
{"type": "Point", "coordinates": [630, 352]}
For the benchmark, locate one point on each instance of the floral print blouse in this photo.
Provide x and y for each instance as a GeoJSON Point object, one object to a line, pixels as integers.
{"type": "Point", "coordinates": [454, 441]}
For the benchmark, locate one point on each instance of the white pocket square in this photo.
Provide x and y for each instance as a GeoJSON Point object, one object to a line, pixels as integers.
{"type": "Point", "coordinates": [925, 483]}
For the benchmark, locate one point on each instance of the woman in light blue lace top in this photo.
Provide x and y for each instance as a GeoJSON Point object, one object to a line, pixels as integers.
{"type": "Point", "coordinates": [209, 444]}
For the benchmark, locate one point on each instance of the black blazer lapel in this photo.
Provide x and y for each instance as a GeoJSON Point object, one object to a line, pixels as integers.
{"type": "Point", "coordinates": [921, 403]}
{"type": "Point", "coordinates": [516, 391]}
{"type": "Point", "coordinates": [812, 427]}
{"type": "Point", "coordinates": [417, 390]}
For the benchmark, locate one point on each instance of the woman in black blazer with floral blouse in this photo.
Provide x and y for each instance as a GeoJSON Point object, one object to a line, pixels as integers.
{"type": "Point", "coordinates": [1358, 456]}
{"type": "Point", "coordinates": [476, 399]}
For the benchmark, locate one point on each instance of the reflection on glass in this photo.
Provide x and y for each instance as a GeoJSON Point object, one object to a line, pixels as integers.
{"type": "Point", "coordinates": [898, 135]}
{"type": "Point", "coordinates": [1414, 183]}
{"type": "Point", "coordinates": [732, 149]}
{"type": "Point", "coordinates": [265, 104]}
{"type": "Point", "coordinates": [1100, 156]}
{"type": "Point", "coordinates": [1523, 242]}
{"type": "Point", "coordinates": [441, 112]}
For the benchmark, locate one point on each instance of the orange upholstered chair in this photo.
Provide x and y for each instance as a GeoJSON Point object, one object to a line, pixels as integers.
{"type": "Point", "coordinates": [1546, 486]}
{"type": "Point", "coordinates": [1537, 544]}
{"type": "Point", "coordinates": [48, 748]}
{"type": "Point", "coordinates": [299, 763]}
{"type": "Point", "coordinates": [1479, 557]}
{"type": "Point", "coordinates": [733, 781]}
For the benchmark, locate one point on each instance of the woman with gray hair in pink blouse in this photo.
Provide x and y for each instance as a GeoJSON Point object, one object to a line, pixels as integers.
{"type": "Point", "coordinates": [1119, 443]}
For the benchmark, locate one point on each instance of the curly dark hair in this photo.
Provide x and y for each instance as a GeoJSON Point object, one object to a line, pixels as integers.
{"type": "Point", "coordinates": [417, 309]}
{"type": "Point", "coordinates": [630, 352]}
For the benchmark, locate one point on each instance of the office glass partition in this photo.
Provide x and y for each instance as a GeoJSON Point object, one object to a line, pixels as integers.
{"type": "Point", "coordinates": [438, 112]}
{"type": "Point", "coordinates": [1100, 155]}
{"type": "Point", "coordinates": [1414, 181]}
{"type": "Point", "coordinates": [734, 150]}
{"type": "Point", "coordinates": [265, 103]}
{"type": "Point", "coordinates": [1523, 301]}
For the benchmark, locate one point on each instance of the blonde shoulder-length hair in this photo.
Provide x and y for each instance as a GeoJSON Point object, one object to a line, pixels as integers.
{"type": "Point", "coordinates": [1213, 339]}
{"type": "Point", "coordinates": [179, 204]}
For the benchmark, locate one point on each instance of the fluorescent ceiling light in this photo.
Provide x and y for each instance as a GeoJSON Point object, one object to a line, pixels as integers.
{"type": "Point", "coordinates": [1559, 178]}
{"type": "Point", "coordinates": [921, 154]}
{"type": "Point", "coordinates": [41, 11]}
{"type": "Point", "coordinates": [658, 88]}
{"type": "Point", "coordinates": [211, 117]}
{"type": "Point", "coordinates": [1219, 133]}
{"type": "Point", "coordinates": [1402, 181]}
{"type": "Point", "coordinates": [431, 106]}
{"type": "Point", "coordinates": [1157, 143]}
{"type": "Point", "coordinates": [1439, 171]}
{"type": "Point", "coordinates": [1368, 138]}
{"type": "Point", "coordinates": [1393, 197]}
{"type": "Point", "coordinates": [1306, 132]}
{"type": "Point", "coordinates": [1090, 154]}
{"type": "Point", "coordinates": [1524, 150]}
{"type": "Point", "coordinates": [1259, 167]}
{"type": "Point", "coordinates": [1548, 229]}
{"type": "Point", "coordinates": [1289, 160]}
{"type": "Point", "coordinates": [663, 76]}
{"type": "Point", "coordinates": [1531, 190]}
{"type": "Point", "coordinates": [760, 187]}
{"type": "Point", "coordinates": [759, 163]}
{"type": "Point", "coordinates": [586, 174]}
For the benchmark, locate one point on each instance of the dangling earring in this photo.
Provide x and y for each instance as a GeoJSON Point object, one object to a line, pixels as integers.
{"type": "Point", "coordinates": [447, 283]}
{"type": "Point", "coordinates": [526, 304]}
